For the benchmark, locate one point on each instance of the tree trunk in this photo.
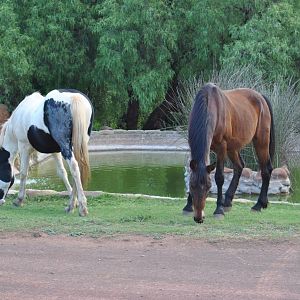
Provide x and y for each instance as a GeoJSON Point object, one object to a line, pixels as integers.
{"type": "Point", "coordinates": [132, 115]}
{"type": "Point", "coordinates": [161, 115]}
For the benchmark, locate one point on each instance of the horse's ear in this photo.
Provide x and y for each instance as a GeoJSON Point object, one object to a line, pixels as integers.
{"type": "Point", "coordinates": [193, 165]}
{"type": "Point", "coordinates": [211, 167]}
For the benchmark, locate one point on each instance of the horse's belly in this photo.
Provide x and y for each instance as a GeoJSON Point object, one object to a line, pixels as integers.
{"type": "Point", "coordinates": [41, 140]}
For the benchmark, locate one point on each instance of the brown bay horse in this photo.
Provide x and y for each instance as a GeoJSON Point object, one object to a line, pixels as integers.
{"type": "Point", "coordinates": [224, 122]}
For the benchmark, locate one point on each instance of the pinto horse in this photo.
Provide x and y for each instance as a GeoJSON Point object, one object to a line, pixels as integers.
{"type": "Point", "coordinates": [224, 122]}
{"type": "Point", "coordinates": [59, 123]}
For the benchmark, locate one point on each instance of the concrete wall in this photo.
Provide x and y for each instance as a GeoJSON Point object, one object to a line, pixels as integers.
{"type": "Point", "coordinates": [153, 140]}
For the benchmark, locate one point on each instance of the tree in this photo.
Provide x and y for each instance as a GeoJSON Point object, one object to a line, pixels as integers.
{"type": "Point", "coordinates": [270, 42]}
{"type": "Point", "coordinates": [58, 43]}
{"type": "Point", "coordinates": [130, 56]}
{"type": "Point", "coordinates": [133, 61]}
{"type": "Point", "coordinates": [203, 28]}
{"type": "Point", "coordinates": [15, 70]}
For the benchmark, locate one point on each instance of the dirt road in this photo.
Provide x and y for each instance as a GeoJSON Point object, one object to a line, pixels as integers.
{"type": "Point", "coordinates": [134, 267]}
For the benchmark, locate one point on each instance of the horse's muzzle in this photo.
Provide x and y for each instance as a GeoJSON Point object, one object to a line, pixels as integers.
{"type": "Point", "coordinates": [198, 219]}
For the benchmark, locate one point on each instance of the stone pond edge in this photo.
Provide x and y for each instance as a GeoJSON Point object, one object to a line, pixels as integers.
{"type": "Point", "coordinates": [35, 193]}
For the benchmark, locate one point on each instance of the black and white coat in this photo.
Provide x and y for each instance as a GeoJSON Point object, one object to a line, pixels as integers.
{"type": "Point", "coordinates": [49, 124]}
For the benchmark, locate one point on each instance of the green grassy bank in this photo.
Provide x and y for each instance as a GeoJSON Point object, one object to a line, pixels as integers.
{"type": "Point", "coordinates": [110, 215]}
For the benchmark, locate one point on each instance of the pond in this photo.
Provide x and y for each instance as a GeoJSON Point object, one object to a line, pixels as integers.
{"type": "Point", "coordinates": [140, 172]}
{"type": "Point", "coordinates": [152, 173]}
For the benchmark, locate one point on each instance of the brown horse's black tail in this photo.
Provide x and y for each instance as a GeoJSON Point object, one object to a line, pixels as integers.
{"type": "Point", "coordinates": [272, 132]}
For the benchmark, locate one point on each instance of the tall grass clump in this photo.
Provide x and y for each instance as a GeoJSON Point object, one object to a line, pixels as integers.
{"type": "Point", "coordinates": [284, 98]}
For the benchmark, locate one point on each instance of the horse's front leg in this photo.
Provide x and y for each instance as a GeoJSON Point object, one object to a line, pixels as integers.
{"type": "Point", "coordinates": [188, 209]}
{"type": "Point", "coordinates": [25, 151]}
{"type": "Point", "coordinates": [73, 203]}
{"type": "Point", "coordinates": [219, 178]}
{"type": "Point", "coordinates": [238, 165]}
{"type": "Point", "coordinates": [62, 173]}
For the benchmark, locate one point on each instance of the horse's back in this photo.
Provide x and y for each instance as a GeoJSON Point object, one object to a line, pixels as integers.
{"type": "Point", "coordinates": [246, 113]}
{"type": "Point", "coordinates": [245, 99]}
{"type": "Point", "coordinates": [46, 122]}
{"type": "Point", "coordinates": [248, 106]}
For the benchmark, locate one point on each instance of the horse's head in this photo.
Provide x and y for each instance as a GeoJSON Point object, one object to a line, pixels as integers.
{"type": "Point", "coordinates": [6, 174]}
{"type": "Point", "coordinates": [200, 185]}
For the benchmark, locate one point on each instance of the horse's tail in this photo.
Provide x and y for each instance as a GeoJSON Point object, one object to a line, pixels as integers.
{"type": "Point", "coordinates": [272, 132]}
{"type": "Point", "coordinates": [80, 137]}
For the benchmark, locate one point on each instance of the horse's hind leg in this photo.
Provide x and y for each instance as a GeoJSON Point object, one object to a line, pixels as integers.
{"type": "Point", "coordinates": [25, 151]}
{"type": "Point", "coordinates": [266, 170]}
{"type": "Point", "coordinates": [74, 169]}
{"type": "Point", "coordinates": [238, 165]}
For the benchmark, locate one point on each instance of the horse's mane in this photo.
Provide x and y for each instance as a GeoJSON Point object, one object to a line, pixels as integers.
{"type": "Point", "coordinates": [198, 127]}
{"type": "Point", "coordinates": [2, 133]}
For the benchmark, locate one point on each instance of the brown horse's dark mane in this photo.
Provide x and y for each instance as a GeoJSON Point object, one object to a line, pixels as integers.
{"type": "Point", "coordinates": [198, 127]}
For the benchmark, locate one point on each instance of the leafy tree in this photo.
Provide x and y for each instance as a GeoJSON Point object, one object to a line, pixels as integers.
{"type": "Point", "coordinates": [15, 68]}
{"type": "Point", "coordinates": [130, 56]}
{"type": "Point", "coordinates": [59, 43]}
{"type": "Point", "coordinates": [133, 61]}
{"type": "Point", "coordinates": [269, 41]}
{"type": "Point", "coordinates": [203, 30]}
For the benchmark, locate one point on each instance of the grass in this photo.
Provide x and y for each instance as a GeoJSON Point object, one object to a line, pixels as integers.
{"type": "Point", "coordinates": [111, 215]}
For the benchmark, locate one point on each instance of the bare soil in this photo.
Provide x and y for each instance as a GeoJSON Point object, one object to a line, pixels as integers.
{"type": "Point", "coordinates": [36, 266]}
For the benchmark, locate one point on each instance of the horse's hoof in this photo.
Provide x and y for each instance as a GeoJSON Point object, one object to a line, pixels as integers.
{"type": "Point", "coordinates": [83, 212]}
{"type": "Point", "coordinates": [18, 203]}
{"type": "Point", "coordinates": [219, 216]}
{"type": "Point", "coordinates": [256, 208]}
{"type": "Point", "coordinates": [219, 211]}
{"type": "Point", "coordinates": [69, 209]}
{"type": "Point", "coordinates": [227, 208]}
{"type": "Point", "coordinates": [2, 202]}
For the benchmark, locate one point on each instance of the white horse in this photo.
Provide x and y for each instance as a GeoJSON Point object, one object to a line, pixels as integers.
{"type": "Point", "coordinates": [59, 123]}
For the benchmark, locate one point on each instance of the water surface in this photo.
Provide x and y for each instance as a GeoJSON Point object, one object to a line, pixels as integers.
{"type": "Point", "coordinates": [140, 172]}
{"type": "Point", "coordinates": [153, 173]}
